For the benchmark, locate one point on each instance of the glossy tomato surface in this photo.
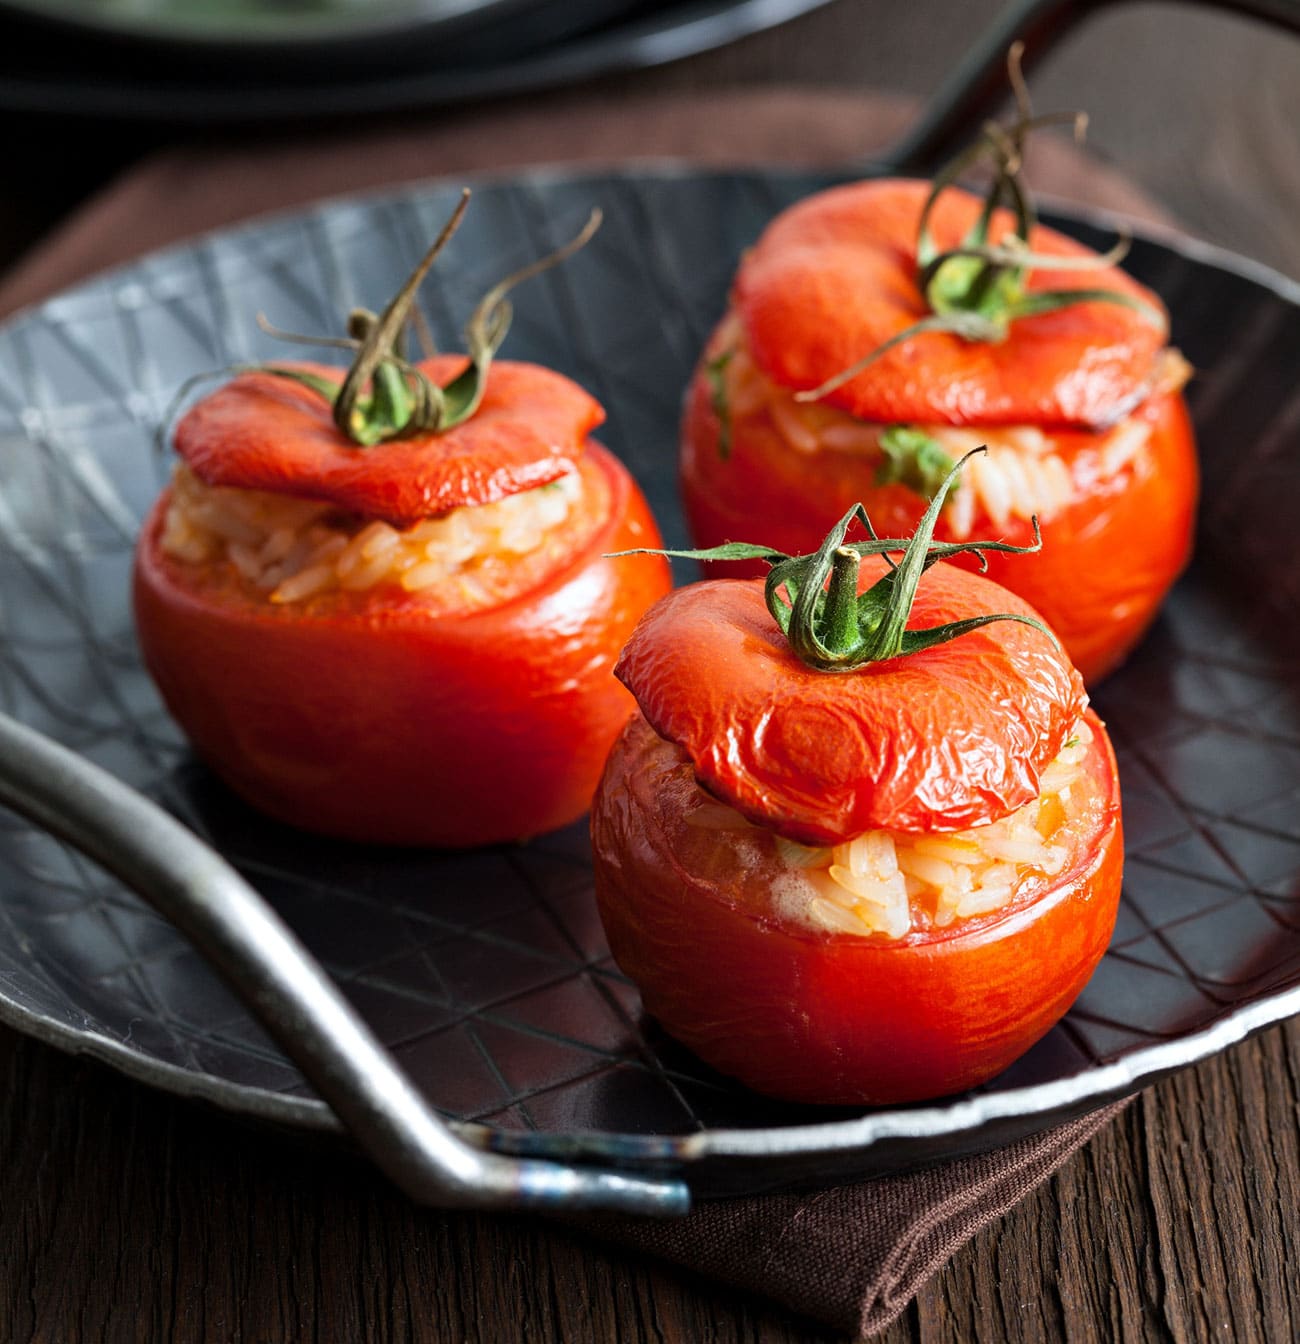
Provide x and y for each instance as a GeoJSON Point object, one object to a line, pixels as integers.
{"type": "Point", "coordinates": [834, 278]}
{"type": "Point", "coordinates": [1108, 557]}
{"type": "Point", "coordinates": [827, 1017]}
{"type": "Point", "coordinates": [375, 716]}
{"type": "Point", "coordinates": [260, 431]}
{"type": "Point", "coordinates": [935, 741]}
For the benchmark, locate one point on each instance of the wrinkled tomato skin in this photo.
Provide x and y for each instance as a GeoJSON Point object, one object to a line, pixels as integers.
{"type": "Point", "coordinates": [372, 720]}
{"type": "Point", "coordinates": [263, 432]}
{"type": "Point", "coordinates": [1107, 559]}
{"type": "Point", "coordinates": [832, 1018]}
{"type": "Point", "coordinates": [836, 276]}
{"type": "Point", "coordinates": [821, 759]}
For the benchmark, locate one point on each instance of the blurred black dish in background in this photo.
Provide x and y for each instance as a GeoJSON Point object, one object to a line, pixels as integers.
{"type": "Point", "coordinates": [223, 62]}
{"type": "Point", "coordinates": [303, 39]}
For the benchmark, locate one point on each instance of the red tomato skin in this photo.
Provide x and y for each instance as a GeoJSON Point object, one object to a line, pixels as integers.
{"type": "Point", "coordinates": [263, 432]}
{"type": "Point", "coordinates": [831, 1018]}
{"type": "Point", "coordinates": [821, 758]}
{"type": "Point", "coordinates": [835, 276]}
{"type": "Point", "coordinates": [375, 721]}
{"type": "Point", "coordinates": [1108, 559]}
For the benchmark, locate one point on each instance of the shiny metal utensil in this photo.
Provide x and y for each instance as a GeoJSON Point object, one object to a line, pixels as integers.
{"type": "Point", "coordinates": [272, 973]}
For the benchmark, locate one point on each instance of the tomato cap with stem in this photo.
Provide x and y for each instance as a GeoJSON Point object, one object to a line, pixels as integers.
{"type": "Point", "coordinates": [934, 728]}
{"type": "Point", "coordinates": [976, 290]}
{"type": "Point", "coordinates": [403, 400]}
{"type": "Point", "coordinates": [393, 438]}
{"type": "Point", "coordinates": [834, 628]}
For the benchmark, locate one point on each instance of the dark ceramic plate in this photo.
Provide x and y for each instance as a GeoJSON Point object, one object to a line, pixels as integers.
{"type": "Point", "coordinates": [486, 972]}
{"type": "Point", "coordinates": [402, 56]}
{"type": "Point", "coordinates": [330, 28]}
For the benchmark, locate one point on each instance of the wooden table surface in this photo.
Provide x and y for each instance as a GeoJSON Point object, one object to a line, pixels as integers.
{"type": "Point", "coordinates": [126, 1215]}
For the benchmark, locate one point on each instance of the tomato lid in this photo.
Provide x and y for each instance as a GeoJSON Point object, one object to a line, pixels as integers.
{"type": "Point", "coordinates": [835, 277]}
{"type": "Point", "coordinates": [935, 741]}
{"type": "Point", "coordinates": [263, 432]}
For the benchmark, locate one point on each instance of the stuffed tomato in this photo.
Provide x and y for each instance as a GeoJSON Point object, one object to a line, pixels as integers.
{"type": "Point", "coordinates": [856, 886]}
{"type": "Point", "coordinates": [879, 330]}
{"type": "Point", "coordinates": [410, 642]}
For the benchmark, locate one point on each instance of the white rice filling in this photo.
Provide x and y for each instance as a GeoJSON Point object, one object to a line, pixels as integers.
{"type": "Point", "coordinates": [292, 549]}
{"type": "Point", "coordinates": [1020, 476]}
{"type": "Point", "coordinates": [888, 881]}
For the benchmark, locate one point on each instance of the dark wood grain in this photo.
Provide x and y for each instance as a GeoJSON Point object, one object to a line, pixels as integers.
{"type": "Point", "coordinates": [128, 1216]}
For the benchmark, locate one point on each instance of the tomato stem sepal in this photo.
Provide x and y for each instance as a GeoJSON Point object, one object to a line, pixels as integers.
{"type": "Point", "coordinates": [815, 602]}
{"type": "Point", "coordinates": [977, 289]}
{"type": "Point", "coordinates": [383, 396]}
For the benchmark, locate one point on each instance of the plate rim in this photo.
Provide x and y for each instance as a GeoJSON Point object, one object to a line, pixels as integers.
{"type": "Point", "coordinates": [330, 32]}
{"type": "Point", "coordinates": [635, 42]}
{"type": "Point", "coordinates": [953, 1120]}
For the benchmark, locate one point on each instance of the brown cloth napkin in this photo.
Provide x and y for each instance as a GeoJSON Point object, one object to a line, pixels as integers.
{"type": "Point", "coordinates": [852, 1256]}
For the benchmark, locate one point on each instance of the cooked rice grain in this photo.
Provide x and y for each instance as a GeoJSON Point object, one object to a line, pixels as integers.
{"type": "Point", "coordinates": [1018, 477]}
{"type": "Point", "coordinates": [291, 549]}
{"type": "Point", "coordinates": [889, 882]}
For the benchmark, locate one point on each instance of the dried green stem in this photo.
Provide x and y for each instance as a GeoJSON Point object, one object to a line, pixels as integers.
{"type": "Point", "coordinates": [383, 396]}
{"type": "Point", "coordinates": [380, 343]}
{"type": "Point", "coordinates": [814, 599]}
{"type": "Point", "coordinates": [976, 290]}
